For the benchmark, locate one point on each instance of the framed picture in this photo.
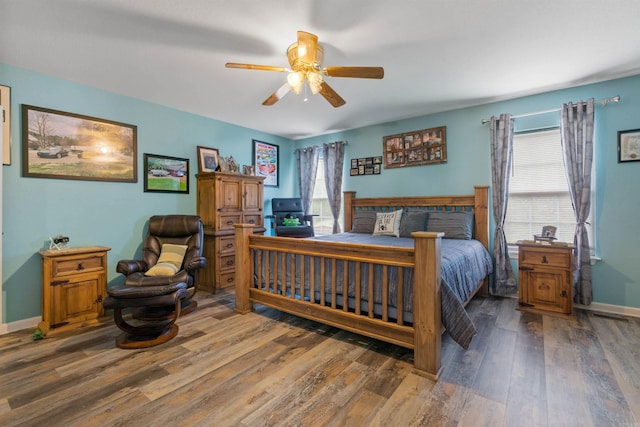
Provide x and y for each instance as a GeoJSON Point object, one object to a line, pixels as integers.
{"type": "Point", "coordinates": [266, 160]}
{"type": "Point", "coordinates": [56, 144]}
{"type": "Point", "coordinates": [166, 174]}
{"type": "Point", "coordinates": [421, 147]}
{"type": "Point", "coordinates": [365, 166]}
{"type": "Point", "coordinates": [628, 145]}
{"type": "Point", "coordinates": [208, 159]}
{"type": "Point", "coordinates": [5, 103]}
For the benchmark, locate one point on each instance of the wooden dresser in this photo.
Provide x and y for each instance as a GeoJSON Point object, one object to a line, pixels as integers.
{"type": "Point", "coordinates": [225, 199]}
{"type": "Point", "coordinates": [545, 275]}
{"type": "Point", "coordinates": [74, 283]}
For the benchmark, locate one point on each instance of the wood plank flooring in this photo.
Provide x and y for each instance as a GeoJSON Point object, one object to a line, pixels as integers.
{"type": "Point", "coordinates": [267, 368]}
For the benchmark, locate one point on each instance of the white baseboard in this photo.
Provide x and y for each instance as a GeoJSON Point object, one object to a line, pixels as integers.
{"type": "Point", "coordinates": [610, 308]}
{"type": "Point", "coordinates": [621, 310]}
{"type": "Point", "coordinates": [19, 325]}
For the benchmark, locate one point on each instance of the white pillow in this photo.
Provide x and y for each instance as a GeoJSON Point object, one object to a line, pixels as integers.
{"type": "Point", "coordinates": [169, 262]}
{"type": "Point", "coordinates": [388, 223]}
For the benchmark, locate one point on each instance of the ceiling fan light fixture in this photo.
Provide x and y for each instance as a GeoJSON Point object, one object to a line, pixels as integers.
{"type": "Point", "coordinates": [296, 81]}
{"type": "Point", "coordinates": [315, 81]}
{"type": "Point", "coordinates": [305, 59]}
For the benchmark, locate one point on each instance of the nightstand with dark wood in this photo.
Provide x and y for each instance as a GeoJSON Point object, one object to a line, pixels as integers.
{"type": "Point", "coordinates": [545, 276]}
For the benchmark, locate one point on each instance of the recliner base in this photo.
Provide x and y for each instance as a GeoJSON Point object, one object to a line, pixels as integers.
{"type": "Point", "coordinates": [130, 341]}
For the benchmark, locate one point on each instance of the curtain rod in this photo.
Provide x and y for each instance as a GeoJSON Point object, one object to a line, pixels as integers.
{"type": "Point", "coordinates": [314, 146]}
{"type": "Point", "coordinates": [602, 102]}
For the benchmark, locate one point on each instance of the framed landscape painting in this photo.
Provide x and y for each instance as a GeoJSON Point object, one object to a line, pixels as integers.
{"type": "Point", "coordinates": [166, 174]}
{"type": "Point", "coordinates": [57, 144]}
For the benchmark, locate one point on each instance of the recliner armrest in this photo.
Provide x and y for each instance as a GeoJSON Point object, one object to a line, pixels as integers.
{"type": "Point", "coordinates": [195, 263]}
{"type": "Point", "coordinates": [130, 266]}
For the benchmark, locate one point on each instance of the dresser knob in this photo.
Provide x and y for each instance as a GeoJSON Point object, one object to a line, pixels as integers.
{"type": "Point", "coordinates": [80, 266]}
{"type": "Point", "coordinates": [544, 259]}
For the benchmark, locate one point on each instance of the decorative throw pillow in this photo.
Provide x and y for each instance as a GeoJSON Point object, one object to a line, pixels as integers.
{"type": "Point", "coordinates": [413, 220]}
{"type": "Point", "coordinates": [169, 262]}
{"type": "Point", "coordinates": [454, 225]}
{"type": "Point", "coordinates": [388, 223]}
{"type": "Point", "coordinates": [364, 222]}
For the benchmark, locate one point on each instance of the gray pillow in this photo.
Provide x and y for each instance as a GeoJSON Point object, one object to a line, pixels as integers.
{"type": "Point", "coordinates": [413, 220]}
{"type": "Point", "coordinates": [364, 222]}
{"type": "Point", "coordinates": [454, 225]}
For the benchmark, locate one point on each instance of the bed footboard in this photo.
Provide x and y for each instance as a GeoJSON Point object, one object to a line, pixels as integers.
{"type": "Point", "coordinates": [268, 285]}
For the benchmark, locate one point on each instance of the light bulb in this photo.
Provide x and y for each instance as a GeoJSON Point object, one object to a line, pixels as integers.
{"type": "Point", "coordinates": [295, 80]}
{"type": "Point", "coordinates": [315, 81]}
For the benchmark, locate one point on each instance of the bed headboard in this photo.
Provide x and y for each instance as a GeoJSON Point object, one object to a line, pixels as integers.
{"type": "Point", "coordinates": [478, 203]}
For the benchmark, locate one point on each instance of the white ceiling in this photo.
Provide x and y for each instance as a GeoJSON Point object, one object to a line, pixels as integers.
{"type": "Point", "coordinates": [438, 55]}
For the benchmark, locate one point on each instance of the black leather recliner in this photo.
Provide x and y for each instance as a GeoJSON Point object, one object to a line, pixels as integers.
{"type": "Point", "coordinates": [283, 208]}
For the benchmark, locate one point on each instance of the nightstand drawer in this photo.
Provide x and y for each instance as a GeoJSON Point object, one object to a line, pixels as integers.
{"type": "Point", "coordinates": [85, 264]}
{"type": "Point", "coordinates": [546, 258]}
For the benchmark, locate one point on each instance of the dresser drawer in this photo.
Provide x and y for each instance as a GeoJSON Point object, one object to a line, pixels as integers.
{"type": "Point", "coordinates": [227, 221]}
{"type": "Point", "coordinates": [255, 220]}
{"type": "Point", "coordinates": [227, 262]}
{"type": "Point", "coordinates": [227, 280]}
{"type": "Point", "coordinates": [82, 264]}
{"type": "Point", "coordinates": [226, 244]}
{"type": "Point", "coordinates": [546, 258]}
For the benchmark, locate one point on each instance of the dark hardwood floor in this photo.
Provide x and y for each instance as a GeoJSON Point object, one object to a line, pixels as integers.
{"type": "Point", "coordinates": [269, 368]}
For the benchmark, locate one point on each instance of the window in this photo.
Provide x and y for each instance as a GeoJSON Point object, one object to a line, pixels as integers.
{"type": "Point", "coordinates": [323, 223]}
{"type": "Point", "coordinates": [538, 188]}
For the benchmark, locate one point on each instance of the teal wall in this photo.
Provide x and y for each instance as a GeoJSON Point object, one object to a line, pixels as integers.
{"type": "Point", "coordinates": [114, 214]}
{"type": "Point", "coordinates": [101, 213]}
{"type": "Point", "coordinates": [616, 278]}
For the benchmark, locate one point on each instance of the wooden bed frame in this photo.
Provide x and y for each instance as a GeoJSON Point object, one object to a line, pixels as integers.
{"type": "Point", "coordinates": [424, 334]}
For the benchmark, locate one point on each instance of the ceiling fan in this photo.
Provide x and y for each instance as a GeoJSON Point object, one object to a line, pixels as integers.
{"type": "Point", "coordinates": [305, 59]}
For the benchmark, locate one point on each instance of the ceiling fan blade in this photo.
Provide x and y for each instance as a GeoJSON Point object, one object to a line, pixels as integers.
{"type": "Point", "coordinates": [277, 95]}
{"type": "Point", "coordinates": [359, 72]}
{"type": "Point", "coordinates": [331, 95]}
{"type": "Point", "coordinates": [307, 46]}
{"type": "Point", "coordinates": [255, 67]}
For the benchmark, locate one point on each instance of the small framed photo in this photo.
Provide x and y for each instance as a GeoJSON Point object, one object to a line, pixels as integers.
{"type": "Point", "coordinates": [628, 145]}
{"type": "Point", "coordinates": [166, 174]}
{"type": "Point", "coordinates": [266, 160]}
{"type": "Point", "coordinates": [208, 159]}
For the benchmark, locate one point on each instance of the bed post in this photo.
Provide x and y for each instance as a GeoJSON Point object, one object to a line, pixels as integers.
{"type": "Point", "coordinates": [481, 215]}
{"type": "Point", "coordinates": [427, 321]}
{"type": "Point", "coordinates": [243, 267]}
{"type": "Point", "coordinates": [347, 197]}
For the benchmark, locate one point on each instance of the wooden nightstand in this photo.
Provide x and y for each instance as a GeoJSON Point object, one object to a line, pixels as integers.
{"type": "Point", "coordinates": [74, 283]}
{"type": "Point", "coordinates": [545, 277]}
